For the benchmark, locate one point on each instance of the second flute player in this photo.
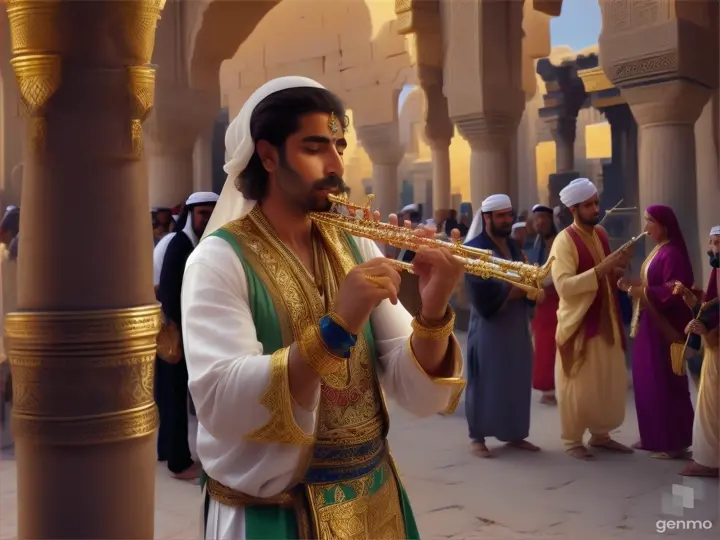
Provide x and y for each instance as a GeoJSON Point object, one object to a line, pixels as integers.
{"type": "Point", "coordinates": [293, 331]}
{"type": "Point", "coordinates": [590, 372]}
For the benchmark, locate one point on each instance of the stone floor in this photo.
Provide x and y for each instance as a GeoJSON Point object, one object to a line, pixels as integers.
{"type": "Point", "coordinates": [516, 496]}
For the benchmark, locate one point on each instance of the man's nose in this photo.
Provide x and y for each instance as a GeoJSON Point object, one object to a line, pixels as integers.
{"type": "Point", "coordinates": [334, 165]}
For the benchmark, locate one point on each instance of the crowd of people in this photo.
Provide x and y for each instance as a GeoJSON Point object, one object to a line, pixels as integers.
{"type": "Point", "coordinates": [578, 329]}
{"type": "Point", "coordinates": [288, 333]}
{"type": "Point", "coordinates": [290, 329]}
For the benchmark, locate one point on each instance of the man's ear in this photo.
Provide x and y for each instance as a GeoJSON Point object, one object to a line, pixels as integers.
{"type": "Point", "coordinates": [268, 155]}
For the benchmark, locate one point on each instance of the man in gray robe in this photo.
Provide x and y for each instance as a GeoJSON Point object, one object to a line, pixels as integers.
{"type": "Point", "coordinates": [500, 354]}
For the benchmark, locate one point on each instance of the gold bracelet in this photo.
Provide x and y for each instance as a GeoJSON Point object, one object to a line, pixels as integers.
{"type": "Point", "coordinates": [316, 354]}
{"type": "Point", "coordinates": [438, 332]}
{"type": "Point", "coordinates": [337, 319]}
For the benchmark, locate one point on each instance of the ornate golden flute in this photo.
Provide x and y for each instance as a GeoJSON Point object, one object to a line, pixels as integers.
{"type": "Point", "coordinates": [630, 243]}
{"type": "Point", "coordinates": [479, 262]}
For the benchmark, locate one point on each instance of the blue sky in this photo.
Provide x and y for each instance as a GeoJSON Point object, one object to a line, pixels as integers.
{"type": "Point", "coordinates": [578, 26]}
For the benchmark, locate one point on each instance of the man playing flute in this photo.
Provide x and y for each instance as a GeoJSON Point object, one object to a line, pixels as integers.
{"type": "Point", "coordinates": [590, 372]}
{"type": "Point", "coordinates": [292, 332]}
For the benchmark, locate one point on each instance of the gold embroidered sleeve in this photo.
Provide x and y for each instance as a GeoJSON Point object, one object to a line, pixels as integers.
{"type": "Point", "coordinates": [455, 381]}
{"type": "Point", "coordinates": [282, 427]}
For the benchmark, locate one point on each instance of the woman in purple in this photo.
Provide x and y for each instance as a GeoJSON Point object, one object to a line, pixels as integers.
{"type": "Point", "coordinates": [662, 398]}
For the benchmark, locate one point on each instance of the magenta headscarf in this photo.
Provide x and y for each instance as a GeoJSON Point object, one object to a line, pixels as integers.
{"type": "Point", "coordinates": [665, 216]}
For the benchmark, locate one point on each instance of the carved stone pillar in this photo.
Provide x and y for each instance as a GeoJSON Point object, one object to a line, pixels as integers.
{"type": "Point", "coordinates": [181, 117]}
{"type": "Point", "coordinates": [666, 114]}
{"type": "Point", "coordinates": [624, 181]}
{"type": "Point", "coordinates": [439, 131]}
{"type": "Point", "coordinates": [563, 130]}
{"type": "Point", "coordinates": [82, 344]}
{"type": "Point", "coordinates": [483, 85]}
{"type": "Point", "coordinates": [12, 129]}
{"type": "Point", "coordinates": [564, 98]}
{"type": "Point", "coordinates": [490, 139]}
{"type": "Point", "coordinates": [182, 114]}
{"type": "Point", "coordinates": [382, 144]}
{"type": "Point", "coordinates": [202, 161]}
{"type": "Point", "coordinates": [647, 50]}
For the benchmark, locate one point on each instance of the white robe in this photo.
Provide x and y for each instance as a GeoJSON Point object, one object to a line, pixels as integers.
{"type": "Point", "coordinates": [228, 374]}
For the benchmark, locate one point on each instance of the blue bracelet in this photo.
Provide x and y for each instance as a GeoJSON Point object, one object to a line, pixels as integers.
{"type": "Point", "coordinates": [336, 338]}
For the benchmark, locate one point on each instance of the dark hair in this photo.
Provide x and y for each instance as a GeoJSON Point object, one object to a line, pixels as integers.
{"type": "Point", "coordinates": [276, 118]}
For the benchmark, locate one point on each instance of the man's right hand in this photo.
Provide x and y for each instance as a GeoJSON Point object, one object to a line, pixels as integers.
{"type": "Point", "coordinates": [363, 289]}
{"type": "Point", "coordinates": [616, 260]}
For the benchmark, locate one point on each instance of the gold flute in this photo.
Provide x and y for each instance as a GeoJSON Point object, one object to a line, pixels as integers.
{"type": "Point", "coordinates": [630, 243]}
{"type": "Point", "coordinates": [358, 221]}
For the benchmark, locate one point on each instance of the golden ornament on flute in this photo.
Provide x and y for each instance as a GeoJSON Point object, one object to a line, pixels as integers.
{"type": "Point", "coordinates": [478, 262]}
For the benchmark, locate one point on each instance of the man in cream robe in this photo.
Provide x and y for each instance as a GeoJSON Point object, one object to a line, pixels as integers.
{"type": "Point", "coordinates": [590, 372]}
{"type": "Point", "coordinates": [255, 439]}
{"type": "Point", "coordinates": [706, 428]}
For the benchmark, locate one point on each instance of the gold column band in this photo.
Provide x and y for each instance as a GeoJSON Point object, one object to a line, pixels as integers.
{"type": "Point", "coordinates": [81, 363]}
{"type": "Point", "coordinates": [86, 430]}
{"type": "Point", "coordinates": [37, 329]}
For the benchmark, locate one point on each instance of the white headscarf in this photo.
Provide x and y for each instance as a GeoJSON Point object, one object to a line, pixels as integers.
{"type": "Point", "coordinates": [493, 203]}
{"type": "Point", "coordinates": [239, 148]}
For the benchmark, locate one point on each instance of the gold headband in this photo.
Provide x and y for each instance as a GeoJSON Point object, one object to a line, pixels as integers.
{"type": "Point", "coordinates": [333, 124]}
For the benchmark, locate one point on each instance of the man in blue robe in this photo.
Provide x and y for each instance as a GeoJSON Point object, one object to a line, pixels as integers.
{"type": "Point", "coordinates": [500, 353]}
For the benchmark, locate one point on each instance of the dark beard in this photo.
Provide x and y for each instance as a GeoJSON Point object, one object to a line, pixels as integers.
{"type": "Point", "coordinates": [500, 232]}
{"type": "Point", "coordinates": [714, 259]}
{"type": "Point", "coordinates": [329, 182]}
{"type": "Point", "coordinates": [592, 222]}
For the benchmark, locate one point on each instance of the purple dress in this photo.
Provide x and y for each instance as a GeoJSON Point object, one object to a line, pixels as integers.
{"type": "Point", "coordinates": [662, 399]}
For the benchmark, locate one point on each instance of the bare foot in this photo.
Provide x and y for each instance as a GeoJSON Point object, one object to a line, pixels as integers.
{"type": "Point", "coordinates": [548, 400]}
{"type": "Point", "coordinates": [695, 469]}
{"type": "Point", "coordinates": [523, 445]}
{"type": "Point", "coordinates": [613, 446]}
{"type": "Point", "coordinates": [682, 454]}
{"type": "Point", "coordinates": [581, 453]}
{"type": "Point", "coordinates": [480, 450]}
{"type": "Point", "coordinates": [190, 474]}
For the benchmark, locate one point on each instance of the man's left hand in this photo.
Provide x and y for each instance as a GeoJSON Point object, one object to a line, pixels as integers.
{"type": "Point", "coordinates": [438, 271]}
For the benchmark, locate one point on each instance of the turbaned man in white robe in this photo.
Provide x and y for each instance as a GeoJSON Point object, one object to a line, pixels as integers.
{"type": "Point", "coordinates": [293, 333]}
{"type": "Point", "coordinates": [590, 372]}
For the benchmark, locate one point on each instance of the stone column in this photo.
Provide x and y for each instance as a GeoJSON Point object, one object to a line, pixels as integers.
{"type": "Point", "coordinates": [666, 114]}
{"type": "Point", "coordinates": [12, 129]}
{"type": "Point", "coordinates": [624, 133]}
{"type": "Point", "coordinates": [202, 161]}
{"type": "Point", "coordinates": [439, 131]}
{"type": "Point", "coordinates": [182, 116]}
{"type": "Point", "coordinates": [644, 53]}
{"type": "Point", "coordinates": [183, 112]}
{"type": "Point", "coordinates": [82, 345]}
{"type": "Point", "coordinates": [563, 130]}
{"type": "Point", "coordinates": [382, 144]}
{"type": "Point", "coordinates": [490, 139]}
{"type": "Point", "coordinates": [483, 84]}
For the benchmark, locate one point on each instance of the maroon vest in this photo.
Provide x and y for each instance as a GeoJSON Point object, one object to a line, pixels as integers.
{"type": "Point", "coordinates": [591, 324]}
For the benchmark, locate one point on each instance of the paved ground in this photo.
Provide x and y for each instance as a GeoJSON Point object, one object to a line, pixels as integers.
{"type": "Point", "coordinates": [516, 496]}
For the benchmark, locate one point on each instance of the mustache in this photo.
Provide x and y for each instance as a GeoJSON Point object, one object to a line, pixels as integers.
{"type": "Point", "coordinates": [332, 182]}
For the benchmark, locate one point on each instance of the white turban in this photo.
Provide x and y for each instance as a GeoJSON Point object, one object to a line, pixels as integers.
{"type": "Point", "coordinates": [577, 191]}
{"type": "Point", "coordinates": [239, 148]}
{"type": "Point", "coordinates": [496, 202]}
{"type": "Point", "coordinates": [410, 208]}
{"type": "Point", "coordinates": [202, 197]}
{"type": "Point", "coordinates": [715, 230]}
{"type": "Point", "coordinates": [493, 203]}
{"type": "Point", "coordinates": [518, 225]}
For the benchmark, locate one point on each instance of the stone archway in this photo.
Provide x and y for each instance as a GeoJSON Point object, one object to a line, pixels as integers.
{"type": "Point", "coordinates": [217, 29]}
